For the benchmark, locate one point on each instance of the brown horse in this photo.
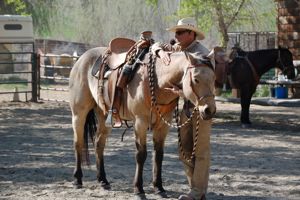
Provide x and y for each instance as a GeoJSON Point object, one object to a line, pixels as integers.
{"type": "Point", "coordinates": [196, 81]}
{"type": "Point", "coordinates": [247, 67]}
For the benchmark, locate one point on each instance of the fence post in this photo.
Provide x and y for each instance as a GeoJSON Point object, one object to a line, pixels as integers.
{"type": "Point", "coordinates": [35, 60]}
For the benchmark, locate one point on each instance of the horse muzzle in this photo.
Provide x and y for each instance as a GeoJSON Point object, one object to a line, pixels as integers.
{"type": "Point", "coordinates": [207, 111]}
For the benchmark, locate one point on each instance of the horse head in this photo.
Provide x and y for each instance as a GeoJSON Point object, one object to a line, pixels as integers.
{"type": "Point", "coordinates": [285, 62]}
{"type": "Point", "coordinates": [198, 86]}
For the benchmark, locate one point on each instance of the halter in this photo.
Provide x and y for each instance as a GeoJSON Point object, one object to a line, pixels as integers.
{"type": "Point", "coordinates": [189, 120]}
{"type": "Point", "coordinates": [199, 98]}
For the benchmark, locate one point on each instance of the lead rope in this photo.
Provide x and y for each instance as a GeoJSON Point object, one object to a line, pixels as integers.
{"type": "Point", "coordinates": [189, 161]}
{"type": "Point", "coordinates": [151, 73]}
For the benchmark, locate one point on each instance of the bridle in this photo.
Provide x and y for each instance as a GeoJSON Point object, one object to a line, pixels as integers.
{"type": "Point", "coordinates": [199, 98]}
{"type": "Point", "coordinates": [151, 66]}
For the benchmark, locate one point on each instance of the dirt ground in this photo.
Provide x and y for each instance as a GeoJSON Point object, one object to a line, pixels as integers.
{"type": "Point", "coordinates": [258, 163]}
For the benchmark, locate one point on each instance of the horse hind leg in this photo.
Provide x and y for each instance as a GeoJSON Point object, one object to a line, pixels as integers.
{"type": "Point", "coordinates": [100, 141]}
{"type": "Point", "coordinates": [78, 122]}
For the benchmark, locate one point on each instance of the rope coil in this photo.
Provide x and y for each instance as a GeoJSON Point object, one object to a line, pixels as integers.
{"type": "Point", "coordinates": [151, 72]}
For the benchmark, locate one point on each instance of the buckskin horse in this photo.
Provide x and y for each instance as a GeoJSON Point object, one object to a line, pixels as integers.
{"type": "Point", "coordinates": [196, 81]}
{"type": "Point", "coordinates": [247, 68]}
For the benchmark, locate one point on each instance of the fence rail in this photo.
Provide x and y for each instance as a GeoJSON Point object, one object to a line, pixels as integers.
{"type": "Point", "coordinates": [18, 70]}
{"type": "Point", "coordinates": [54, 71]}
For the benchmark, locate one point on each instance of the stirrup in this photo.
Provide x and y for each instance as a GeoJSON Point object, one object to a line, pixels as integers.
{"type": "Point", "coordinates": [111, 122]}
{"type": "Point", "coordinates": [108, 121]}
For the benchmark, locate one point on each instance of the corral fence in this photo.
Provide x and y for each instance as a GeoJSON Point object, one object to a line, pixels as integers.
{"type": "Point", "coordinates": [56, 59]}
{"type": "Point", "coordinates": [39, 71]}
{"type": "Point", "coordinates": [18, 78]}
{"type": "Point", "coordinates": [53, 76]}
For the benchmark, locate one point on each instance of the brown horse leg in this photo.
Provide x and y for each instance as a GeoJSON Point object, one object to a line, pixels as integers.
{"type": "Point", "coordinates": [159, 137]}
{"type": "Point", "coordinates": [78, 127]}
{"type": "Point", "coordinates": [100, 141]}
{"type": "Point", "coordinates": [140, 129]}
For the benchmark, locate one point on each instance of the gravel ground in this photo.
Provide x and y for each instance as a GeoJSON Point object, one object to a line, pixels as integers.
{"type": "Point", "coordinates": [259, 163]}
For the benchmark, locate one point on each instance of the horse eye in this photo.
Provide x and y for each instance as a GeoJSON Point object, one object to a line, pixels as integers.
{"type": "Point", "coordinates": [197, 81]}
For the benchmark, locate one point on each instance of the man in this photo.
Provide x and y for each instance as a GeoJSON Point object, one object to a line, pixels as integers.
{"type": "Point", "coordinates": [187, 36]}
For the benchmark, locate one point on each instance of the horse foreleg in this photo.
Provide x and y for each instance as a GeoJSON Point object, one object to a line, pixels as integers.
{"type": "Point", "coordinates": [246, 95]}
{"type": "Point", "coordinates": [78, 128]}
{"type": "Point", "coordinates": [141, 154]}
{"type": "Point", "coordinates": [100, 141]}
{"type": "Point", "coordinates": [159, 136]}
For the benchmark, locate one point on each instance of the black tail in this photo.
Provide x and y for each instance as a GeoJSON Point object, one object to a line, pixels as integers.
{"type": "Point", "coordinates": [90, 128]}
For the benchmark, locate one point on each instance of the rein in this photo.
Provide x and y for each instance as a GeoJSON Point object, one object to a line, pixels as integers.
{"type": "Point", "coordinates": [151, 68]}
{"type": "Point", "coordinates": [151, 73]}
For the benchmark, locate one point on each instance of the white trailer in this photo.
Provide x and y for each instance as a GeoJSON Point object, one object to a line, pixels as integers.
{"type": "Point", "coordinates": [16, 28]}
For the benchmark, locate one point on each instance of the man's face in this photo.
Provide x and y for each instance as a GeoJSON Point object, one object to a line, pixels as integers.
{"type": "Point", "coordinates": [184, 37]}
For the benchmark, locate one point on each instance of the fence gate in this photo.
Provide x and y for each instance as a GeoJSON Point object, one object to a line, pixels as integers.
{"type": "Point", "coordinates": [53, 76]}
{"type": "Point", "coordinates": [18, 74]}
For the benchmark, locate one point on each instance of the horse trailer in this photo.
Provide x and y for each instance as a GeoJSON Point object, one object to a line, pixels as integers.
{"type": "Point", "coordinates": [17, 57]}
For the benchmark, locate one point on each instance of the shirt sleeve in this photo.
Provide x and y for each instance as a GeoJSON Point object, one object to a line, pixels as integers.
{"type": "Point", "coordinates": [161, 46]}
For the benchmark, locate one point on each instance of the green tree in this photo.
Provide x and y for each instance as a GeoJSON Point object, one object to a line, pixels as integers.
{"type": "Point", "coordinates": [13, 7]}
{"type": "Point", "coordinates": [40, 10]}
{"type": "Point", "coordinates": [228, 15]}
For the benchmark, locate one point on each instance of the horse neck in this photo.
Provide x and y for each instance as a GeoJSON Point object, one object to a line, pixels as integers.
{"type": "Point", "coordinates": [172, 73]}
{"type": "Point", "coordinates": [263, 60]}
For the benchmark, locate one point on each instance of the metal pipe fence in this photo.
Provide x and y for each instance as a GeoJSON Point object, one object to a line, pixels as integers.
{"type": "Point", "coordinates": [18, 71]}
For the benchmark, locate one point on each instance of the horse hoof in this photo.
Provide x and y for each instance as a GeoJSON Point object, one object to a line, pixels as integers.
{"type": "Point", "coordinates": [141, 196]}
{"type": "Point", "coordinates": [77, 185]}
{"type": "Point", "coordinates": [105, 185]}
{"type": "Point", "coordinates": [246, 125]}
{"type": "Point", "coordinates": [160, 192]}
{"type": "Point", "coordinates": [162, 195]}
{"type": "Point", "coordinates": [185, 197]}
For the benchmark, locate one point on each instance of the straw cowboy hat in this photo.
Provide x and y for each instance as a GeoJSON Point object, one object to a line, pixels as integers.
{"type": "Point", "coordinates": [189, 24]}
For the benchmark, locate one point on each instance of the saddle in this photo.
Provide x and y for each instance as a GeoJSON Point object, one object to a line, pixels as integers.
{"type": "Point", "coordinates": [221, 63]}
{"type": "Point", "coordinates": [107, 66]}
{"type": "Point", "coordinates": [119, 48]}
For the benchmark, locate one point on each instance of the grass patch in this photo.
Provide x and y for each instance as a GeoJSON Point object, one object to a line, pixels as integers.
{"type": "Point", "coordinates": [9, 83]}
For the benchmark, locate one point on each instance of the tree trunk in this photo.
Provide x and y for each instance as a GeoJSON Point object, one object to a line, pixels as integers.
{"type": "Point", "coordinates": [221, 23]}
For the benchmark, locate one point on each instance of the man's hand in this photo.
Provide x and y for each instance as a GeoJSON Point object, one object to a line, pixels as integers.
{"type": "Point", "coordinates": [175, 90]}
{"type": "Point", "coordinates": [165, 56]}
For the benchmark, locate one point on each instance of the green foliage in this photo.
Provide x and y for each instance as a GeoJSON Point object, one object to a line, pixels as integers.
{"type": "Point", "coordinates": [262, 91]}
{"type": "Point", "coordinates": [152, 2]}
{"type": "Point", "coordinates": [226, 94]}
{"type": "Point", "coordinates": [19, 6]}
{"type": "Point", "coordinates": [202, 10]}
{"type": "Point", "coordinates": [238, 15]}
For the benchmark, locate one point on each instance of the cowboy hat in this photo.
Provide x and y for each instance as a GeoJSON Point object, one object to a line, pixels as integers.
{"type": "Point", "coordinates": [189, 24]}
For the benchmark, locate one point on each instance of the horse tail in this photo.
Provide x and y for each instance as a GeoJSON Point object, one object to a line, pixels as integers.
{"type": "Point", "coordinates": [90, 128]}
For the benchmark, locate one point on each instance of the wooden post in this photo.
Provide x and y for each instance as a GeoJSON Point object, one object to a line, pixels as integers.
{"type": "Point", "coordinates": [235, 93]}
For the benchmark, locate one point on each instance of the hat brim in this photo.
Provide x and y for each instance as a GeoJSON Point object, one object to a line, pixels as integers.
{"type": "Point", "coordinates": [200, 35]}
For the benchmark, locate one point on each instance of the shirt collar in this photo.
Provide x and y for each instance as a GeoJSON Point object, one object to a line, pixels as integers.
{"type": "Point", "coordinates": [190, 46]}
